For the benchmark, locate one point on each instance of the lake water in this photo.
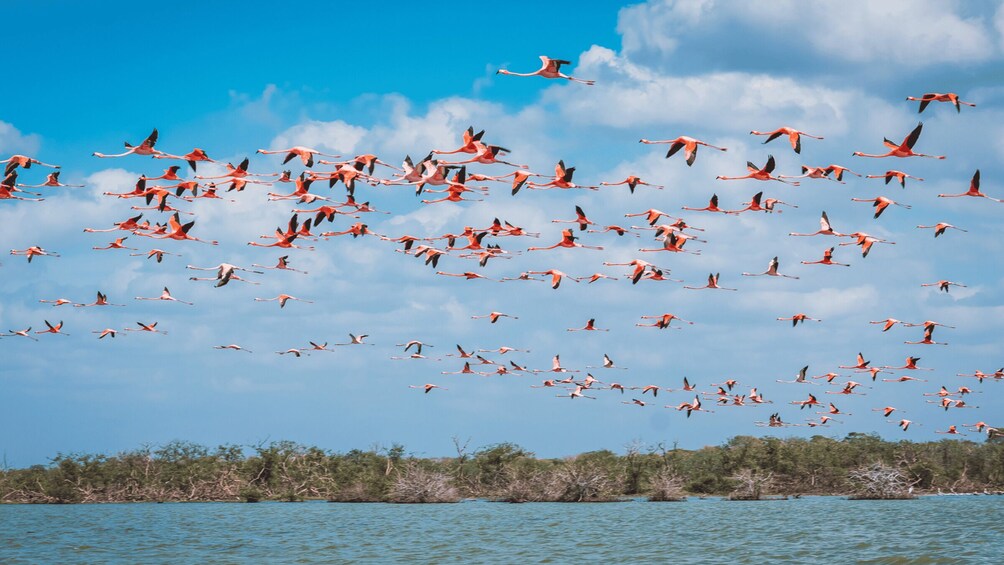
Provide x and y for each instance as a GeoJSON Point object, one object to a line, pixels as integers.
{"type": "Point", "coordinates": [947, 529]}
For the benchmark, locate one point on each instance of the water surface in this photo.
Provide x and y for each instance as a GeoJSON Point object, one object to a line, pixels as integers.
{"type": "Point", "coordinates": [948, 529]}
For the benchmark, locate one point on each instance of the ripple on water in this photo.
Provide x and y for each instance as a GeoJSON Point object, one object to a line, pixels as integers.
{"type": "Point", "coordinates": [811, 529]}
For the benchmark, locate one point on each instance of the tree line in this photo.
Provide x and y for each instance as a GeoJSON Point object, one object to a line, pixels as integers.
{"type": "Point", "coordinates": [744, 467]}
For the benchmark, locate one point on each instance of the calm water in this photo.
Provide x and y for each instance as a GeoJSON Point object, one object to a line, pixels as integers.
{"type": "Point", "coordinates": [957, 529]}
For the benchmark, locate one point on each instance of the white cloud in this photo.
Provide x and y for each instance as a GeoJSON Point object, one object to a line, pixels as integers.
{"type": "Point", "coordinates": [336, 136]}
{"type": "Point", "coordinates": [999, 26]}
{"type": "Point", "coordinates": [13, 141]}
{"type": "Point", "coordinates": [857, 31]}
{"type": "Point", "coordinates": [629, 95]}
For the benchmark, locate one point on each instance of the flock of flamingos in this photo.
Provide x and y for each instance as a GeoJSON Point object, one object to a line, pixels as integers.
{"type": "Point", "coordinates": [443, 176]}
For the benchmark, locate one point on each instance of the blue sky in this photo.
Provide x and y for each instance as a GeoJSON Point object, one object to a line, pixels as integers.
{"type": "Point", "coordinates": [403, 82]}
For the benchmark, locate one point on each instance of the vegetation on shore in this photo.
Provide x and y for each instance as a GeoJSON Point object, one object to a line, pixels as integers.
{"type": "Point", "coordinates": [743, 468]}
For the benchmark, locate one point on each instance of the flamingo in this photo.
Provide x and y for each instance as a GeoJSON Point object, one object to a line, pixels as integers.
{"type": "Point", "coordinates": [939, 97]}
{"type": "Point", "coordinates": [911, 364]}
{"type": "Point", "coordinates": [305, 154]}
{"type": "Point", "coordinates": [794, 136]}
{"type": "Point", "coordinates": [224, 272]}
{"type": "Point", "coordinates": [775, 421]}
{"type": "Point", "coordinates": [663, 321]}
{"type": "Point", "coordinates": [356, 340]}
{"type": "Point", "coordinates": [556, 276]}
{"type": "Point", "coordinates": [711, 207]}
{"type": "Point", "coordinates": [943, 392]}
{"type": "Point", "coordinates": [294, 351]}
{"type": "Point", "coordinates": [152, 328]}
{"type": "Point", "coordinates": [633, 182]}
{"type": "Point", "coordinates": [651, 216]}
{"type": "Point", "coordinates": [57, 302]}
{"type": "Point", "coordinates": [577, 393]}
{"type": "Point", "coordinates": [886, 411]}
{"type": "Point", "coordinates": [688, 144]}
{"type": "Point", "coordinates": [903, 379]}
{"type": "Point", "coordinates": [712, 283]}
{"type": "Point", "coordinates": [179, 231]}
{"type": "Point", "coordinates": [824, 228]}
{"type": "Point", "coordinates": [834, 410]}
{"type": "Point", "coordinates": [887, 323]}
{"type": "Point", "coordinates": [489, 155]}
{"type": "Point", "coordinates": [158, 253]}
{"type": "Point", "coordinates": [465, 371]}
{"type": "Point", "coordinates": [23, 161]}
{"type": "Point", "coordinates": [800, 378]}
{"type": "Point", "coordinates": [974, 190]}
{"type": "Point", "coordinates": [52, 179]}
{"type": "Point", "coordinates": [192, 157]}
{"type": "Point", "coordinates": [22, 333]}
{"type": "Point", "coordinates": [550, 68]}
{"type": "Point", "coordinates": [657, 275]}
{"type": "Point", "coordinates": [861, 363]}
{"type": "Point", "coordinates": [428, 387]}
{"type": "Point", "coordinates": [33, 251]}
{"type": "Point", "coordinates": [100, 300]}
{"type": "Point", "coordinates": [608, 363]}
{"type": "Point", "coordinates": [944, 285]}
{"type": "Point", "coordinates": [880, 203]}
{"type": "Point", "coordinates": [771, 271]}
{"type": "Point", "coordinates": [130, 224]}
{"type": "Point", "coordinates": [281, 265]}
{"type": "Point", "coordinates": [595, 277]}
{"type": "Point", "coordinates": [468, 275]}
{"type": "Point", "coordinates": [588, 328]}
{"type": "Point", "coordinates": [282, 299]}
{"type": "Point", "coordinates": [754, 205]}
{"type": "Point", "coordinates": [165, 295]}
{"type": "Point", "coordinates": [904, 149]}
{"type": "Point", "coordinates": [232, 346]}
{"type": "Point", "coordinates": [170, 173]}
{"type": "Point", "coordinates": [53, 329]}
{"type": "Point", "coordinates": [929, 324]}
{"type": "Point", "coordinates": [494, 317]}
{"type": "Point", "coordinates": [471, 142]}
{"type": "Point", "coordinates": [117, 244]}
{"type": "Point", "coordinates": [898, 175]}
{"type": "Point", "coordinates": [615, 229]}
{"type": "Point", "coordinates": [673, 242]}
{"type": "Point", "coordinates": [145, 148]}
{"type": "Point", "coordinates": [866, 242]}
{"type": "Point", "coordinates": [826, 260]}
{"type": "Point", "coordinates": [562, 179]}
{"type": "Point", "coordinates": [928, 333]}
{"type": "Point", "coordinates": [795, 319]}
{"type": "Point", "coordinates": [828, 376]}
{"type": "Point", "coordinates": [813, 173]}
{"type": "Point", "coordinates": [639, 268]}
{"type": "Point", "coordinates": [760, 173]}
{"type": "Point", "coordinates": [811, 401]}
{"type": "Point", "coordinates": [285, 239]}
{"type": "Point", "coordinates": [580, 219]}
{"type": "Point", "coordinates": [556, 367]}
{"type": "Point", "coordinates": [694, 406]}
{"type": "Point", "coordinates": [940, 228]}
{"type": "Point", "coordinates": [567, 241]}
{"type": "Point", "coordinates": [105, 332]}
{"type": "Point", "coordinates": [838, 172]}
